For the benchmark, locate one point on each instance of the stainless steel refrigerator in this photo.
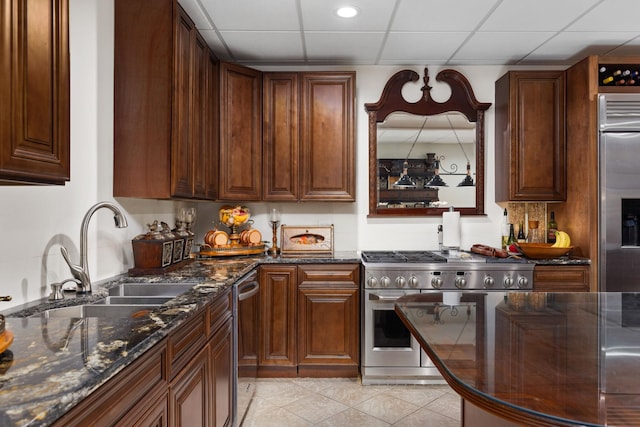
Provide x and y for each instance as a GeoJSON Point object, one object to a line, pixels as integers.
{"type": "Point", "coordinates": [619, 186]}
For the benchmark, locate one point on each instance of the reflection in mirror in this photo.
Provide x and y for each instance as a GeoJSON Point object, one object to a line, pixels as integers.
{"type": "Point", "coordinates": [426, 156]}
{"type": "Point", "coordinates": [436, 150]}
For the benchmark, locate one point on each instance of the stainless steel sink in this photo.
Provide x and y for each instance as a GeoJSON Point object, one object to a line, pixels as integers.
{"type": "Point", "coordinates": [118, 300]}
{"type": "Point", "coordinates": [151, 289]}
{"type": "Point", "coordinates": [99, 310]}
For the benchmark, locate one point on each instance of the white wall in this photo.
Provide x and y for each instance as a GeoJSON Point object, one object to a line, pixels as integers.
{"type": "Point", "coordinates": [38, 220]}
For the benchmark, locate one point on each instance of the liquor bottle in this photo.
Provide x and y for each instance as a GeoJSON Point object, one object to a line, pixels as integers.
{"type": "Point", "coordinates": [521, 237]}
{"type": "Point", "coordinates": [504, 229]}
{"type": "Point", "coordinates": [552, 228]}
{"type": "Point", "coordinates": [512, 236]}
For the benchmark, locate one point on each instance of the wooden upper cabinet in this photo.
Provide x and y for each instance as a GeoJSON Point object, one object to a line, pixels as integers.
{"type": "Point", "coordinates": [240, 133]}
{"type": "Point", "coordinates": [163, 137]}
{"type": "Point", "coordinates": [308, 128]}
{"type": "Point", "coordinates": [530, 136]}
{"type": "Point", "coordinates": [34, 92]}
{"type": "Point", "coordinates": [281, 136]}
{"type": "Point", "coordinates": [328, 137]}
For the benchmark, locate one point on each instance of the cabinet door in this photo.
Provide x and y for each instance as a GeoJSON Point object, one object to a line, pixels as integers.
{"type": "Point", "coordinates": [240, 133]}
{"type": "Point", "coordinates": [34, 91]}
{"type": "Point", "coordinates": [327, 137]}
{"type": "Point", "coordinates": [531, 136]}
{"type": "Point", "coordinates": [281, 137]}
{"type": "Point", "coordinates": [212, 119]}
{"type": "Point", "coordinates": [277, 352]}
{"type": "Point", "coordinates": [155, 413]}
{"type": "Point", "coordinates": [561, 278]}
{"type": "Point", "coordinates": [189, 393]}
{"type": "Point", "coordinates": [199, 122]}
{"type": "Point", "coordinates": [222, 375]}
{"type": "Point", "coordinates": [328, 320]}
{"type": "Point", "coordinates": [182, 145]}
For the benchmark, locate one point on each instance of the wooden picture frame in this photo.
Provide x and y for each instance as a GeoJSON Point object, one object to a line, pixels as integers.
{"type": "Point", "coordinates": [310, 239]}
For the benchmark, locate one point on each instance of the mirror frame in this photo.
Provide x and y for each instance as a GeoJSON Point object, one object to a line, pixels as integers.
{"type": "Point", "coordinates": [462, 100]}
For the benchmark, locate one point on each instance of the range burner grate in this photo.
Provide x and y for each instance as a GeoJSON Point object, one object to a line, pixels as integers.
{"type": "Point", "coordinates": [401, 256]}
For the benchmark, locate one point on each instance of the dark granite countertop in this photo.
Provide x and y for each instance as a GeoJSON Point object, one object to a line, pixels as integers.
{"type": "Point", "coordinates": [54, 363]}
{"type": "Point", "coordinates": [544, 359]}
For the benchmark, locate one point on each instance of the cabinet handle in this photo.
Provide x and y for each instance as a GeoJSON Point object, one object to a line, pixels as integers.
{"type": "Point", "coordinates": [6, 298]}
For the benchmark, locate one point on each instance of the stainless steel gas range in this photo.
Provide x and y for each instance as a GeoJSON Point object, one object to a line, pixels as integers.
{"type": "Point", "coordinates": [390, 354]}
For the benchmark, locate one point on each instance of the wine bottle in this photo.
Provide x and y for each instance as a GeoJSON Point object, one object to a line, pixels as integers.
{"type": "Point", "coordinates": [504, 229]}
{"type": "Point", "coordinates": [521, 237]}
{"type": "Point", "coordinates": [512, 236]}
{"type": "Point", "coordinates": [552, 228]}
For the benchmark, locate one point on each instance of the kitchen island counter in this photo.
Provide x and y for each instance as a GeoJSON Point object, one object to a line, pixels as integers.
{"type": "Point", "coordinates": [544, 359]}
{"type": "Point", "coordinates": [55, 363]}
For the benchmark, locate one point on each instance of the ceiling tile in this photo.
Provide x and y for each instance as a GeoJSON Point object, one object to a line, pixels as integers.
{"type": "Point", "coordinates": [355, 48]}
{"type": "Point", "coordinates": [257, 15]}
{"type": "Point", "coordinates": [438, 15]}
{"type": "Point", "coordinates": [264, 45]}
{"type": "Point", "coordinates": [501, 47]}
{"type": "Point", "coordinates": [576, 45]}
{"type": "Point", "coordinates": [526, 15]}
{"type": "Point", "coordinates": [320, 15]}
{"type": "Point", "coordinates": [198, 15]}
{"type": "Point", "coordinates": [610, 15]}
{"type": "Point", "coordinates": [421, 47]}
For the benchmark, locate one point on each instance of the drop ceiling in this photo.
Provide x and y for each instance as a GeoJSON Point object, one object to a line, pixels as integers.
{"type": "Point", "coordinates": [406, 32]}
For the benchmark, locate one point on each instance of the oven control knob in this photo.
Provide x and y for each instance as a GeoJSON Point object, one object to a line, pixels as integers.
{"type": "Point", "coordinates": [489, 282]}
{"type": "Point", "coordinates": [461, 282]}
{"type": "Point", "coordinates": [401, 282]}
{"type": "Point", "coordinates": [372, 282]}
{"type": "Point", "coordinates": [436, 282]}
{"type": "Point", "coordinates": [413, 282]}
{"type": "Point", "coordinates": [508, 282]}
{"type": "Point", "coordinates": [385, 282]}
{"type": "Point", "coordinates": [522, 282]}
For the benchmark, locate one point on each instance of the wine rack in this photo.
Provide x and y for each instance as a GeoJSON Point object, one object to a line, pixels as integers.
{"type": "Point", "coordinates": [618, 75]}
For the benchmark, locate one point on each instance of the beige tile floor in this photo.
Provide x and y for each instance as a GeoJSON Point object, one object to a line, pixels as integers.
{"type": "Point", "coordinates": [329, 402]}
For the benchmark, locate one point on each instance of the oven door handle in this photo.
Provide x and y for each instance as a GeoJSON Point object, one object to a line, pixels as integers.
{"type": "Point", "coordinates": [248, 289]}
{"type": "Point", "coordinates": [376, 297]}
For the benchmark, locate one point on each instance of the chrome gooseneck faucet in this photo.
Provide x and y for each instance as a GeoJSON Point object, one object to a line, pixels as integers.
{"type": "Point", "coordinates": [81, 272]}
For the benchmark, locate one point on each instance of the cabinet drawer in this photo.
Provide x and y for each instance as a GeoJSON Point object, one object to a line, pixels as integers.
{"type": "Point", "coordinates": [553, 278]}
{"type": "Point", "coordinates": [185, 342]}
{"type": "Point", "coordinates": [331, 274]}
{"type": "Point", "coordinates": [220, 311]}
{"type": "Point", "coordinates": [126, 392]}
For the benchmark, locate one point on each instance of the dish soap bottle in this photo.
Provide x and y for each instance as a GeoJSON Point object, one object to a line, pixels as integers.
{"type": "Point", "coordinates": [552, 228]}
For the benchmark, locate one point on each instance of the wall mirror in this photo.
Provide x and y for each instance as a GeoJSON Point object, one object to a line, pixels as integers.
{"type": "Point", "coordinates": [426, 156]}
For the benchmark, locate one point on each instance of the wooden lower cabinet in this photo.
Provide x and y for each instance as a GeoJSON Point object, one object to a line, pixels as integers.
{"type": "Point", "coordinates": [189, 393]}
{"type": "Point", "coordinates": [276, 348]}
{"type": "Point", "coordinates": [221, 376]}
{"type": "Point", "coordinates": [561, 278]}
{"type": "Point", "coordinates": [309, 320]}
{"type": "Point", "coordinates": [186, 380]}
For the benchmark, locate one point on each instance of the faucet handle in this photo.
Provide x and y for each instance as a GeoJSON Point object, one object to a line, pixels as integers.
{"type": "Point", "coordinates": [56, 292]}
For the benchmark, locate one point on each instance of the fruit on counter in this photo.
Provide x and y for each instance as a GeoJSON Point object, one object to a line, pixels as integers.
{"type": "Point", "coordinates": [562, 240]}
{"type": "Point", "coordinates": [230, 215]}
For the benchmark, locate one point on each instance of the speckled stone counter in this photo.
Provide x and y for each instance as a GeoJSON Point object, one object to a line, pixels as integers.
{"type": "Point", "coordinates": [562, 261]}
{"type": "Point", "coordinates": [54, 363]}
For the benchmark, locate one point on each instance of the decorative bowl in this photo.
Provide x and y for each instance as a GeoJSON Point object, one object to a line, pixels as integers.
{"type": "Point", "coordinates": [542, 250]}
{"type": "Point", "coordinates": [234, 216]}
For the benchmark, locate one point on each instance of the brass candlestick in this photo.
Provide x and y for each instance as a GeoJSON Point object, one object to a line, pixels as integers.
{"type": "Point", "coordinates": [274, 219]}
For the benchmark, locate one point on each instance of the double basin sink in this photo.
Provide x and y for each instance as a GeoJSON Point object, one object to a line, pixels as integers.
{"type": "Point", "coordinates": [124, 300]}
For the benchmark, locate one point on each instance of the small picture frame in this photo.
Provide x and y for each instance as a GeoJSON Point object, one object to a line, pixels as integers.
{"type": "Point", "coordinates": [310, 239]}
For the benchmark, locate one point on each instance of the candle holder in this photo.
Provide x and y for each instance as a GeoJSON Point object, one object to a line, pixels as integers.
{"type": "Point", "coordinates": [274, 219]}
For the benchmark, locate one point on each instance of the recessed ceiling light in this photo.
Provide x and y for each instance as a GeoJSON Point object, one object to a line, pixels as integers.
{"type": "Point", "coordinates": [347, 12]}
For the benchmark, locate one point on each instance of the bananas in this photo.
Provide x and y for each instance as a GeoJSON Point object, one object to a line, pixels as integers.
{"type": "Point", "coordinates": [562, 240]}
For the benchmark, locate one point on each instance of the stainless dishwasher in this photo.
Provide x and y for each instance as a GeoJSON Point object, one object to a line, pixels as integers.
{"type": "Point", "coordinates": [246, 342]}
